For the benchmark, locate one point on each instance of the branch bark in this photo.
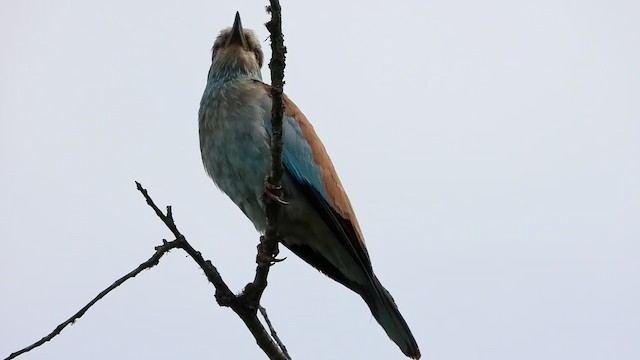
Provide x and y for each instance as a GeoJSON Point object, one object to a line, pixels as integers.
{"type": "Point", "coordinates": [268, 247]}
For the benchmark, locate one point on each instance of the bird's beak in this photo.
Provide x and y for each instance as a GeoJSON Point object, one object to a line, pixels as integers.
{"type": "Point", "coordinates": [237, 33]}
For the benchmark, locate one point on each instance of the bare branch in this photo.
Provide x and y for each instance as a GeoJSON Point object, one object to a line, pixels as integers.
{"type": "Point", "coordinates": [276, 65]}
{"type": "Point", "coordinates": [245, 310]}
{"type": "Point", "coordinates": [153, 261]}
{"type": "Point", "coordinates": [239, 304]}
{"type": "Point", "coordinates": [210, 271]}
{"type": "Point", "coordinates": [268, 247]}
{"type": "Point", "coordinates": [273, 332]}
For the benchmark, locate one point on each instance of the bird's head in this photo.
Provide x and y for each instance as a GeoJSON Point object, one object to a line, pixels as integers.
{"type": "Point", "coordinates": [236, 53]}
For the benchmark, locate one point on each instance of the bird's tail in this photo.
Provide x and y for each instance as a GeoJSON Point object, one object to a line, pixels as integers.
{"type": "Point", "coordinates": [385, 311]}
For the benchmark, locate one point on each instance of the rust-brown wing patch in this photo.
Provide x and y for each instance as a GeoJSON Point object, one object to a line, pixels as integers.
{"type": "Point", "coordinates": [336, 210]}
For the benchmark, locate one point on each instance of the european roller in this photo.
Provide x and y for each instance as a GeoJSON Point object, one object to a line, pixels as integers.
{"type": "Point", "coordinates": [317, 223]}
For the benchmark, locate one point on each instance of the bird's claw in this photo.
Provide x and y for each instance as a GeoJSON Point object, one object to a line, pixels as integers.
{"type": "Point", "coordinates": [269, 189]}
{"type": "Point", "coordinates": [269, 185]}
{"type": "Point", "coordinates": [265, 258]}
{"type": "Point", "coordinates": [275, 198]}
{"type": "Point", "coordinates": [272, 261]}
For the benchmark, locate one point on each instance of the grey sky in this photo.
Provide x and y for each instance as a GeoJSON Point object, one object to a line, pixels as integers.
{"type": "Point", "coordinates": [490, 150]}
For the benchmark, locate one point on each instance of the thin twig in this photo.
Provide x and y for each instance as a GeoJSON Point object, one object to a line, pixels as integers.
{"type": "Point", "coordinates": [166, 219]}
{"type": "Point", "coordinates": [273, 332]}
{"type": "Point", "coordinates": [210, 271]}
{"type": "Point", "coordinates": [153, 261]}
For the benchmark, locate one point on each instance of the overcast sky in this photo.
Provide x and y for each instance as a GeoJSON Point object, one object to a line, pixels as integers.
{"type": "Point", "coordinates": [491, 150]}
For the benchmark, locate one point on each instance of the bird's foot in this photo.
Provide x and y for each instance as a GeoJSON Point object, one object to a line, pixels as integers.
{"type": "Point", "coordinates": [265, 257]}
{"type": "Point", "coordinates": [270, 192]}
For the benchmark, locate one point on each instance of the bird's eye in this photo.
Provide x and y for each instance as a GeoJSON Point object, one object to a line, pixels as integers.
{"type": "Point", "coordinates": [259, 56]}
{"type": "Point", "coordinates": [214, 50]}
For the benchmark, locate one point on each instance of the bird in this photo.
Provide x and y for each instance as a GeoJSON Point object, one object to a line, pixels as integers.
{"type": "Point", "coordinates": [317, 222]}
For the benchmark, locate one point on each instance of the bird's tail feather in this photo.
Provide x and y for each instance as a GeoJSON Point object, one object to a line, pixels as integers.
{"type": "Point", "coordinates": [385, 311]}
